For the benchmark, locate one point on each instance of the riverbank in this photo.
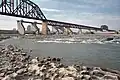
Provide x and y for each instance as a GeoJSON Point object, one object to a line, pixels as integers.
{"type": "Point", "coordinates": [79, 36]}
{"type": "Point", "coordinates": [15, 64]}
{"type": "Point", "coordinates": [2, 37]}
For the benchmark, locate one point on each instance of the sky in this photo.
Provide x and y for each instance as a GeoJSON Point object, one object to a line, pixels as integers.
{"type": "Point", "coordinates": [87, 12]}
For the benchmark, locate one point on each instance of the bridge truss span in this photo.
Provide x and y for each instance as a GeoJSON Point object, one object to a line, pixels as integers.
{"type": "Point", "coordinates": [21, 8]}
{"type": "Point", "coordinates": [71, 25]}
{"type": "Point", "coordinates": [30, 10]}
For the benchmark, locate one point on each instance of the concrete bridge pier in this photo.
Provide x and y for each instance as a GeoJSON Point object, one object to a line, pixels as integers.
{"type": "Point", "coordinates": [21, 28]}
{"type": "Point", "coordinates": [96, 30]}
{"type": "Point", "coordinates": [61, 30]}
{"type": "Point", "coordinates": [56, 28]}
{"type": "Point", "coordinates": [89, 30]}
{"type": "Point", "coordinates": [68, 31]}
{"type": "Point", "coordinates": [65, 31]}
{"type": "Point", "coordinates": [80, 31]}
{"type": "Point", "coordinates": [35, 28]}
{"type": "Point", "coordinates": [44, 28]}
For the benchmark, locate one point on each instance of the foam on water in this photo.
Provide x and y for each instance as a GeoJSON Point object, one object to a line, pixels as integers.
{"type": "Point", "coordinates": [4, 40]}
{"type": "Point", "coordinates": [72, 40]}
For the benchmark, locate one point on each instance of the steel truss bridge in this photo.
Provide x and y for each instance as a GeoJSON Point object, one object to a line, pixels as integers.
{"type": "Point", "coordinates": [30, 10]}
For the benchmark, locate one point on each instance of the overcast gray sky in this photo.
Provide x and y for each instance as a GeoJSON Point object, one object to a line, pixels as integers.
{"type": "Point", "coordinates": [87, 12]}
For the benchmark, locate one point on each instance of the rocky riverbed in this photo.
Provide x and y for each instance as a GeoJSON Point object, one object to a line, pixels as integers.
{"type": "Point", "coordinates": [15, 64]}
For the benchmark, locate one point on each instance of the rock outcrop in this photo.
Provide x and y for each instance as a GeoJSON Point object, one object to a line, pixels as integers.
{"type": "Point", "coordinates": [17, 65]}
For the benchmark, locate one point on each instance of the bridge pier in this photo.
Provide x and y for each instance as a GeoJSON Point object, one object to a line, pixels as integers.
{"type": "Point", "coordinates": [70, 32]}
{"type": "Point", "coordinates": [59, 30]}
{"type": "Point", "coordinates": [21, 28]}
{"type": "Point", "coordinates": [67, 31]}
{"type": "Point", "coordinates": [56, 28]}
{"type": "Point", "coordinates": [80, 31]}
{"type": "Point", "coordinates": [18, 8]}
{"type": "Point", "coordinates": [44, 28]}
{"type": "Point", "coordinates": [89, 30]}
{"type": "Point", "coordinates": [35, 28]}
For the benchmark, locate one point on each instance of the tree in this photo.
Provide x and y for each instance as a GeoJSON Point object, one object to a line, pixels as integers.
{"type": "Point", "coordinates": [104, 27]}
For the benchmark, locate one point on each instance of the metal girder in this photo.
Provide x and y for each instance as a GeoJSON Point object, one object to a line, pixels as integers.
{"type": "Point", "coordinates": [21, 8]}
{"type": "Point", "coordinates": [70, 25]}
{"type": "Point", "coordinates": [28, 9]}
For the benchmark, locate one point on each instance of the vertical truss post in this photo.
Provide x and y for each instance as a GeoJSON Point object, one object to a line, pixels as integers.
{"type": "Point", "coordinates": [5, 5]}
{"type": "Point", "coordinates": [2, 4]}
{"type": "Point", "coordinates": [25, 8]}
{"type": "Point", "coordinates": [20, 6]}
{"type": "Point", "coordinates": [12, 5]}
{"type": "Point", "coordinates": [17, 5]}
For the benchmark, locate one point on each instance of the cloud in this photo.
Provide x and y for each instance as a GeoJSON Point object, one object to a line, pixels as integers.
{"type": "Point", "coordinates": [97, 16]}
{"type": "Point", "coordinates": [88, 12]}
{"type": "Point", "coordinates": [91, 19]}
{"type": "Point", "coordinates": [50, 10]}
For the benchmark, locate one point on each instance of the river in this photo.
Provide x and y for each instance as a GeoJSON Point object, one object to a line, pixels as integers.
{"type": "Point", "coordinates": [95, 54]}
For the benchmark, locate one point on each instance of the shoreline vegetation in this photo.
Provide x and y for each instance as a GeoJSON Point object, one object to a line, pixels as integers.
{"type": "Point", "coordinates": [15, 64]}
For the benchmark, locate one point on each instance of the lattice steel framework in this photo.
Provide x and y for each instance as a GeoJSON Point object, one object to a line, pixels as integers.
{"type": "Point", "coordinates": [28, 9]}
{"type": "Point", "coordinates": [71, 25]}
{"type": "Point", "coordinates": [21, 8]}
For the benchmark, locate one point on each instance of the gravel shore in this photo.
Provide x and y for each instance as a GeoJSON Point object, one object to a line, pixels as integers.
{"type": "Point", "coordinates": [15, 64]}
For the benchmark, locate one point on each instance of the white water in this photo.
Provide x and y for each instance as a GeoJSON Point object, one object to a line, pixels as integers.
{"type": "Point", "coordinates": [72, 40]}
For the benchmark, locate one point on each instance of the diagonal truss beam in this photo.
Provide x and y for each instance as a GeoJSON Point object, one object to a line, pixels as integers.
{"type": "Point", "coordinates": [21, 8]}
{"type": "Point", "coordinates": [28, 9]}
